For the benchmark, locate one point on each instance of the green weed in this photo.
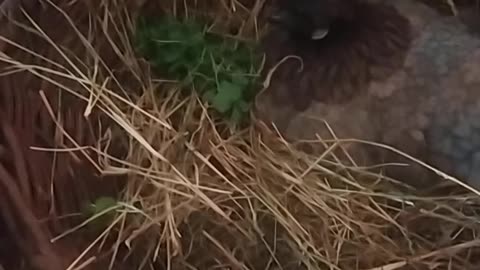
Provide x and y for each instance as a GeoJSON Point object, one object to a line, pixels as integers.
{"type": "Point", "coordinates": [97, 208]}
{"type": "Point", "coordinates": [220, 69]}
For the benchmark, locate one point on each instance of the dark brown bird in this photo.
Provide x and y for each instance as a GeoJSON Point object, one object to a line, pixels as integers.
{"type": "Point", "coordinates": [393, 72]}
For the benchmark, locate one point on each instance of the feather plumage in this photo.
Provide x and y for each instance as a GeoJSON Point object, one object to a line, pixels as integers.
{"type": "Point", "coordinates": [393, 72]}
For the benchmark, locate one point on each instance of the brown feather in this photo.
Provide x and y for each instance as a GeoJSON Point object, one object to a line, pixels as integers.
{"type": "Point", "coordinates": [339, 67]}
{"type": "Point", "coordinates": [399, 74]}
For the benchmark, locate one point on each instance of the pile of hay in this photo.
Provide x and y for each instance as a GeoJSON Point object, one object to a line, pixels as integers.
{"type": "Point", "coordinates": [202, 195]}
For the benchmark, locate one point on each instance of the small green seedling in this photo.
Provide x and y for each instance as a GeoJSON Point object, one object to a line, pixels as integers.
{"type": "Point", "coordinates": [220, 69]}
{"type": "Point", "coordinates": [100, 205]}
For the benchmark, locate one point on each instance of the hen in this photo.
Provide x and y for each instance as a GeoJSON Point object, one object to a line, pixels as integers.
{"type": "Point", "coordinates": [393, 72]}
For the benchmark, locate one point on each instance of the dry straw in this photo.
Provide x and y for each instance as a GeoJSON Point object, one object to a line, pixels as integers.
{"type": "Point", "coordinates": [203, 196]}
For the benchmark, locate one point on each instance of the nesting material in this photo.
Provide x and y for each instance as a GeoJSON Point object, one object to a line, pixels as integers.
{"type": "Point", "coordinates": [203, 196]}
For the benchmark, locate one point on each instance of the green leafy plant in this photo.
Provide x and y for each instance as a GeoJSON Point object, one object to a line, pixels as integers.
{"type": "Point", "coordinates": [220, 69]}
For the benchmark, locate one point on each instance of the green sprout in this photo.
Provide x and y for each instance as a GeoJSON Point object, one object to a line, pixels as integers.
{"type": "Point", "coordinates": [220, 69]}
{"type": "Point", "coordinates": [103, 219]}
